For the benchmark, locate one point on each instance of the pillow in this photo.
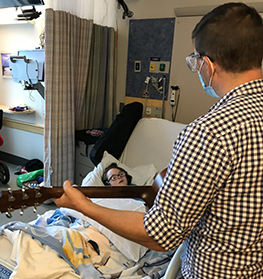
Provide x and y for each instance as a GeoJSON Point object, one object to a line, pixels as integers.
{"type": "Point", "coordinates": [129, 249]}
{"type": "Point", "coordinates": [141, 175]}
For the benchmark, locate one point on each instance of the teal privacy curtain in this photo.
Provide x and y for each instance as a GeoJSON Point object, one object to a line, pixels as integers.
{"type": "Point", "coordinates": [80, 79]}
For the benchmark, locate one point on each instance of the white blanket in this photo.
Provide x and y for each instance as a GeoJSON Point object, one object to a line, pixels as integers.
{"type": "Point", "coordinates": [35, 260]}
{"type": "Point", "coordinates": [64, 246]}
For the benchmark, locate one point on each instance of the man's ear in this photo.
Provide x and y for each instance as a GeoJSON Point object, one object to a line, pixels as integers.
{"type": "Point", "coordinates": [210, 66]}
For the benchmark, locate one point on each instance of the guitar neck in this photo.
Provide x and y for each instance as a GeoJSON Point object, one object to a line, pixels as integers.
{"type": "Point", "coordinates": [10, 201]}
{"type": "Point", "coordinates": [145, 193]}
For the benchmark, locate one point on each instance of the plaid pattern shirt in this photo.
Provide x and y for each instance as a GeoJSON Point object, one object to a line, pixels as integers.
{"type": "Point", "coordinates": [212, 195]}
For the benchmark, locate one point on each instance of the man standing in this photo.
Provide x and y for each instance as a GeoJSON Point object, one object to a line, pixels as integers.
{"type": "Point", "coordinates": [212, 195]}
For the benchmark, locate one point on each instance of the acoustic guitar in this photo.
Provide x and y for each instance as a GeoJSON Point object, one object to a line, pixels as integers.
{"type": "Point", "coordinates": [24, 198]}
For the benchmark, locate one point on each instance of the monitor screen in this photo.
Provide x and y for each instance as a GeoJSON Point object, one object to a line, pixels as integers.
{"type": "Point", "coordinates": [20, 3]}
{"type": "Point", "coordinates": [39, 56]}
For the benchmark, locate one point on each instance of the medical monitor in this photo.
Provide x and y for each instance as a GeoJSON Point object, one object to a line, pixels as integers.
{"type": "Point", "coordinates": [39, 56]}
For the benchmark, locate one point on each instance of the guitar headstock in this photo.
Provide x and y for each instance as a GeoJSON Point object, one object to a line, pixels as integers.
{"type": "Point", "coordinates": [11, 200]}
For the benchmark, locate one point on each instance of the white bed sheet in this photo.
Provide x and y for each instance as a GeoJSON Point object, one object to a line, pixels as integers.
{"type": "Point", "coordinates": [65, 234]}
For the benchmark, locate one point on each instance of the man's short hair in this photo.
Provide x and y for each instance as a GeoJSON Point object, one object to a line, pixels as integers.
{"type": "Point", "coordinates": [232, 36]}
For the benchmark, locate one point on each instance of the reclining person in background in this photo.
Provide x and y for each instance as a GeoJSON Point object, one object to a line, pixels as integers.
{"type": "Point", "coordinates": [116, 176]}
{"type": "Point", "coordinates": [211, 198]}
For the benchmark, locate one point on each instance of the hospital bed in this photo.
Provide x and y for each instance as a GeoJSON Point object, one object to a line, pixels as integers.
{"type": "Point", "coordinates": [146, 153]}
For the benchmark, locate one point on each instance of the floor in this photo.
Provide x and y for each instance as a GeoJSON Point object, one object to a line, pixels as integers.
{"type": "Point", "coordinates": [28, 215]}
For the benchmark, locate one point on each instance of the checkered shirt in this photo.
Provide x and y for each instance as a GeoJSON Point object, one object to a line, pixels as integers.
{"type": "Point", "coordinates": [212, 196]}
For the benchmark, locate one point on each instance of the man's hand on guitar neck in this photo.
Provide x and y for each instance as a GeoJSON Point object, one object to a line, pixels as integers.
{"type": "Point", "coordinates": [72, 197]}
{"type": "Point", "coordinates": [128, 224]}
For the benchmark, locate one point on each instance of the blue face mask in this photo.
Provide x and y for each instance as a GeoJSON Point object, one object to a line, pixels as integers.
{"type": "Point", "coordinates": [208, 89]}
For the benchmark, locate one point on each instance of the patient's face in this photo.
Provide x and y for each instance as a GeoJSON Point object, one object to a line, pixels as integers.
{"type": "Point", "coordinates": [117, 177]}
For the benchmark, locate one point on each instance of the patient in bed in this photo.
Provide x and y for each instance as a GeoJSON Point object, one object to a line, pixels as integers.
{"type": "Point", "coordinates": [76, 246]}
{"type": "Point", "coordinates": [116, 176]}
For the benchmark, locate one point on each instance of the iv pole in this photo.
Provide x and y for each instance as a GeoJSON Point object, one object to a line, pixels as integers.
{"type": "Point", "coordinates": [164, 80]}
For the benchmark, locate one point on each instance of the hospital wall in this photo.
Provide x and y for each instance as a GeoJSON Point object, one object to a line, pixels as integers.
{"type": "Point", "coordinates": [22, 133]}
{"type": "Point", "coordinates": [193, 101]}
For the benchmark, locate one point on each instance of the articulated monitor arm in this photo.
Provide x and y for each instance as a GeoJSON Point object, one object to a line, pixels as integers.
{"type": "Point", "coordinates": [25, 71]}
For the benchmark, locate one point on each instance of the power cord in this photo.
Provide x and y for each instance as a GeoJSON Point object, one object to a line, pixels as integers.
{"type": "Point", "coordinates": [31, 97]}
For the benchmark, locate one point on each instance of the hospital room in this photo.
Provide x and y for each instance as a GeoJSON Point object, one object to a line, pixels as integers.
{"type": "Point", "coordinates": [96, 94]}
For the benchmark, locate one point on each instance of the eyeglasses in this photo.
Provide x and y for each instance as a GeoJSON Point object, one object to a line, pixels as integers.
{"type": "Point", "coordinates": [114, 177]}
{"type": "Point", "coordinates": [191, 61]}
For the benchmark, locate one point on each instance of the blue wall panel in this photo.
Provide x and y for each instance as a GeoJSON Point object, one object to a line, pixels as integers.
{"type": "Point", "coordinates": [148, 38]}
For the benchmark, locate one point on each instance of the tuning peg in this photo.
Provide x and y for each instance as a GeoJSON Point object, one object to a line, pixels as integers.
{"type": "Point", "coordinates": [24, 194]}
{"type": "Point", "coordinates": [11, 197]}
{"type": "Point", "coordinates": [38, 194]}
{"type": "Point", "coordinates": [8, 213]}
{"type": "Point", "coordinates": [23, 207]}
{"type": "Point", "coordinates": [35, 207]}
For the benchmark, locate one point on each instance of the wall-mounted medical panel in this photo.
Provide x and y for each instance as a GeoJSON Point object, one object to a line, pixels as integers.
{"type": "Point", "coordinates": [149, 56]}
{"type": "Point", "coordinates": [162, 67]}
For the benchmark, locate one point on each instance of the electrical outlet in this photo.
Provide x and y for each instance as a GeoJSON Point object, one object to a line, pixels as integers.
{"type": "Point", "coordinates": [148, 111]}
{"type": "Point", "coordinates": [157, 112]}
{"type": "Point", "coordinates": [152, 111]}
